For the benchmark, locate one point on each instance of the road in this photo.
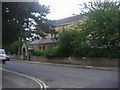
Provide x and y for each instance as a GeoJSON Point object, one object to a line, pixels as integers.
{"type": "Point", "coordinates": [13, 80]}
{"type": "Point", "coordinates": [65, 77]}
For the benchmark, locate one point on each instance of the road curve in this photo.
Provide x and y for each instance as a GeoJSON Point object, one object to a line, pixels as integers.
{"type": "Point", "coordinates": [66, 77]}
{"type": "Point", "coordinates": [11, 77]}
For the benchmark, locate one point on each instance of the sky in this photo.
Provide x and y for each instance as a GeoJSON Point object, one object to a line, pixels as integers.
{"type": "Point", "coordinates": [60, 9]}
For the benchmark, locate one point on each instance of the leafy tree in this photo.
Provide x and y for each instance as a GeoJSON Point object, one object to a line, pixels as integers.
{"type": "Point", "coordinates": [22, 19]}
{"type": "Point", "coordinates": [12, 48]}
{"type": "Point", "coordinates": [101, 26]}
{"type": "Point", "coordinates": [66, 41]}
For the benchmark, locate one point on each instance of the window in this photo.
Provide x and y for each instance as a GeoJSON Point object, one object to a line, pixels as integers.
{"type": "Point", "coordinates": [40, 48]}
{"type": "Point", "coordinates": [43, 47]}
{"type": "Point", "coordinates": [2, 52]}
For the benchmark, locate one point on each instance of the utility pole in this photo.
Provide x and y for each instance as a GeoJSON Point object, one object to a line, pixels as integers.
{"type": "Point", "coordinates": [1, 74]}
{"type": "Point", "coordinates": [0, 24]}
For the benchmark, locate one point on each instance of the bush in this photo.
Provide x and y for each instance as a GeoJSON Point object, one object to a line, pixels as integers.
{"type": "Point", "coordinates": [110, 53]}
{"type": "Point", "coordinates": [103, 53]}
{"type": "Point", "coordinates": [12, 48]}
{"type": "Point", "coordinates": [95, 52]}
{"type": "Point", "coordinates": [80, 51]}
{"type": "Point", "coordinates": [85, 51]}
{"type": "Point", "coordinates": [50, 53]}
{"type": "Point", "coordinates": [39, 53]}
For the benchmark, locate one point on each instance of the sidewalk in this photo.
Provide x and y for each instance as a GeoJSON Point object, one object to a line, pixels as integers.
{"type": "Point", "coordinates": [11, 80]}
{"type": "Point", "coordinates": [75, 66]}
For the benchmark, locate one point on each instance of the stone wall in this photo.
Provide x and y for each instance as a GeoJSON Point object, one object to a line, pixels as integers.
{"type": "Point", "coordinates": [75, 61]}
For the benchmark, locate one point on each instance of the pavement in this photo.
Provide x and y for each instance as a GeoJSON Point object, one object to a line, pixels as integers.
{"type": "Point", "coordinates": [12, 80]}
{"type": "Point", "coordinates": [75, 66]}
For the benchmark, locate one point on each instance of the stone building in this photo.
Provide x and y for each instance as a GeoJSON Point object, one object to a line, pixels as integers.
{"type": "Point", "coordinates": [38, 44]}
{"type": "Point", "coordinates": [44, 44]}
{"type": "Point", "coordinates": [26, 50]}
{"type": "Point", "coordinates": [66, 23]}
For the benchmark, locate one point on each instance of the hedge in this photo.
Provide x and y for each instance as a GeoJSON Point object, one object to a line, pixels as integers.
{"type": "Point", "coordinates": [38, 53]}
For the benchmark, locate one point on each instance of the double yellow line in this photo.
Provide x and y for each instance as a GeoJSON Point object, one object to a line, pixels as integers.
{"type": "Point", "coordinates": [41, 84]}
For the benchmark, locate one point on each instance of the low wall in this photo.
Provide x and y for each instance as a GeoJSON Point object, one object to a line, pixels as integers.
{"type": "Point", "coordinates": [75, 61]}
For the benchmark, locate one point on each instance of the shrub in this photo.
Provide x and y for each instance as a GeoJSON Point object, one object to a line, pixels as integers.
{"type": "Point", "coordinates": [94, 52]}
{"type": "Point", "coordinates": [38, 53]}
{"type": "Point", "coordinates": [50, 53]}
{"type": "Point", "coordinates": [103, 53]}
{"type": "Point", "coordinates": [80, 51]}
{"type": "Point", "coordinates": [110, 53]}
{"type": "Point", "coordinates": [62, 52]}
{"type": "Point", "coordinates": [85, 51]}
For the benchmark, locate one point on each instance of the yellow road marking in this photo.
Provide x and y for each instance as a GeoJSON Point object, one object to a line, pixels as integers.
{"type": "Point", "coordinates": [41, 84]}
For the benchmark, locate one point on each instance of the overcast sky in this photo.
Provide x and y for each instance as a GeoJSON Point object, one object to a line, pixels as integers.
{"type": "Point", "coordinates": [62, 8]}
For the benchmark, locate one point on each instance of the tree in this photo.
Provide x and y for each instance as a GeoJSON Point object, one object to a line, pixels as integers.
{"type": "Point", "coordinates": [102, 24]}
{"type": "Point", "coordinates": [67, 42]}
{"type": "Point", "coordinates": [22, 19]}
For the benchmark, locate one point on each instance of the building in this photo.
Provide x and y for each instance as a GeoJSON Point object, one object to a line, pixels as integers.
{"type": "Point", "coordinates": [26, 50]}
{"type": "Point", "coordinates": [38, 44]}
{"type": "Point", "coordinates": [66, 23]}
{"type": "Point", "coordinates": [44, 44]}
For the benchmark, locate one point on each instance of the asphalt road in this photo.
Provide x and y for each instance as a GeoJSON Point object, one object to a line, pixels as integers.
{"type": "Point", "coordinates": [11, 80]}
{"type": "Point", "coordinates": [66, 77]}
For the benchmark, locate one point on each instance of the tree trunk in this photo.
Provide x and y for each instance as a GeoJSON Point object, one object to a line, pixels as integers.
{"type": "Point", "coordinates": [20, 46]}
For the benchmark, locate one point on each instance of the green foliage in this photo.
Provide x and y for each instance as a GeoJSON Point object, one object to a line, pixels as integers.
{"type": "Point", "coordinates": [102, 23]}
{"type": "Point", "coordinates": [85, 51]}
{"type": "Point", "coordinates": [97, 36]}
{"type": "Point", "coordinates": [10, 33]}
{"type": "Point", "coordinates": [80, 51]}
{"type": "Point", "coordinates": [39, 53]}
{"type": "Point", "coordinates": [12, 48]}
{"type": "Point", "coordinates": [51, 53]}
{"type": "Point", "coordinates": [19, 17]}
{"type": "Point", "coordinates": [103, 53]}
{"type": "Point", "coordinates": [66, 41]}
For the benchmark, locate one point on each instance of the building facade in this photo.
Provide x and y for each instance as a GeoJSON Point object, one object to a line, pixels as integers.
{"type": "Point", "coordinates": [49, 42]}
{"type": "Point", "coordinates": [67, 23]}
{"type": "Point", "coordinates": [43, 44]}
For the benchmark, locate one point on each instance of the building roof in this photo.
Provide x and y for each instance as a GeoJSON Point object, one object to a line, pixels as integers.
{"type": "Point", "coordinates": [43, 41]}
{"type": "Point", "coordinates": [29, 46]}
{"type": "Point", "coordinates": [36, 41]}
{"type": "Point", "coordinates": [48, 40]}
{"type": "Point", "coordinates": [68, 20]}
